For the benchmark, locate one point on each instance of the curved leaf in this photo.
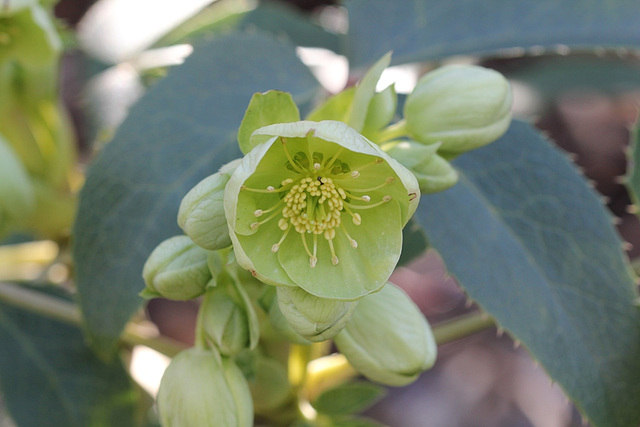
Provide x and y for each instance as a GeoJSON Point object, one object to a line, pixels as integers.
{"type": "Point", "coordinates": [183, 130]}
{"type": "Point", "coordinates": [533, 245]}
{"type": "Point", "coordinates": [419, 30]}
{"type": "Point", "coordinates": [50, 378]}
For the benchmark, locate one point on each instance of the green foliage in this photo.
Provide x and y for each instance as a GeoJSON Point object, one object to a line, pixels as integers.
{"type": "Point", "coordinates": [420, 30]}
{"type": "Point", "coordinates": [348, 398]}
{"type": "Point", "coordinates": [50, 378]}
{"type": "Point", "coordinates": [562, 285]}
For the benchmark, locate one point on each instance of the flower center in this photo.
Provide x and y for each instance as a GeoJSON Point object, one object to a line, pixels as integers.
{"type": "Point", "coordinates": [313, 204]}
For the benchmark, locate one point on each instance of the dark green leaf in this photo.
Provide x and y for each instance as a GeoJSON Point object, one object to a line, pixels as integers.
{"type": "Point", "coordinates": [534, 246]}
{"type": "Point", "coordinates": [633, 176]}
{"type": "Point", "coordinates": [414, 242]}
{"type": "Point", "coordinates": [50, 378]}
{"type": "Point", "coordinates": [284, 21]}
{"type": "Point", "coordinates": [183, 130]}
{"type": "Point", "coordinates": [419, 30]}
{"type": "Point", "coordinates": [348, 398]}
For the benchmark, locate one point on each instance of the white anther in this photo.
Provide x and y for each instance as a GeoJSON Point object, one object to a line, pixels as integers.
{"type": "Point", "coordinates": [335, 260]}
{"type": "Point", "coordinates": [355, 174]}
{"type": "Point", "coordinates": [357, 219]}
{"type": "Point", "coordinates": [386, 198]}
{"type": "Point", "coordinates": [354, 244]}
{"type": "Point", "coordinates": [316, 166]}
{"type": "Point", "coordinates": [312, 261]}
{"type": "Point", "coordinates": [270, 188]}
{"type": "Point", "coordinates": [366, 198]}
{"type": "Point", "coordinates": [275, 248]}
{"type": "Point", "coordinates": [258, 212]}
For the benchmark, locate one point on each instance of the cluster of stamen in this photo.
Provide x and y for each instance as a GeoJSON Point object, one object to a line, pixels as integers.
{"type": "Point", "coordinates": [313, 205]}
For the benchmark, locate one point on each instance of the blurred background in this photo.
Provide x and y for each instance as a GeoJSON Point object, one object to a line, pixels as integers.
{"type": "Point", "coordinates": [586, 104]}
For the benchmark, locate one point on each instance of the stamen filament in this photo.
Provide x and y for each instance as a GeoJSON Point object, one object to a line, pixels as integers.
{"type": "Point", "coordinates": [260, 212]}
{"type": "Point", "coordinates": [312, 258]}
{"type": "Point", "coordinates": [384, 200]}
{"type": "Point", "coordinates": [334, 257]}
{"type": "Point", "coordinates": [334, 158]}
{"type": "Point", "coordinates": [267, 219]}
{"type": "Point", "coordinates": [276, 246]}
{"type": "Point", "coordinates": [269, 189]}
{"type": "Point", "coordinates": [352, 241]}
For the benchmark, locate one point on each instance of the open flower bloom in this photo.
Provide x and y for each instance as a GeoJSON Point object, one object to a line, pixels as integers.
{"type": "Point", "coordinates": [317, 205]}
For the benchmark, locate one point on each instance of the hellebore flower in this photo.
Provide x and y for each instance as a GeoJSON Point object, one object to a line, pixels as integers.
{"type": "Point", "coordinates": [317, 205]}
{"type": "Point", "coordinates": [202, 389]}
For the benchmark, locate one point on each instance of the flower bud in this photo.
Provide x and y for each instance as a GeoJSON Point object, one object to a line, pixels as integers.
{"type": "Point", "coordinates": [228, 318]}
{"type": "Point", "coordinates": [269, 302]}
{"type": "Point", "coordinates": [270, 387]}
{"type": "Point", "coordinates": [388, 339]}
{"type": "Point", "coordinates": [176, 269]}
{"type": "Point", "coordinates": [17, 199]}
{"type": "Point", "coordinates": [464, 107]}
{"type": "Point", "coordinates": [202, 389]}
{"type": "Point", "coordinates": [316, 319]}
{"type": "Point", "coordinates": [201, 213]}
{"type": "Point", "coordinates": [433, 172]}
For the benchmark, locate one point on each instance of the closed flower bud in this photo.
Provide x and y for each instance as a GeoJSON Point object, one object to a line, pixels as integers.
{"type": "Point", "coordinates": [202, 389]}
{"type": "Point", "coordinates": [201, 215]}
{"type": "Point", "coordinates": [464, 107]}
{"type": "Point", "coordinates": [228, 318]}
{"type": "Point", "coordinates": [316, 319]}
{"type": "Point", "coordinates": [269, 302]}
{"type": "Point", "coordinates": [176, 269]}
{"type": "Point", "coordinates": [388, 339]}
{"type": "Point", "coordinates": [17, 199]}
{"type": "Point", "coordinates": [319, 206]}
{"type": "Point", "coordinates": [433, 172]}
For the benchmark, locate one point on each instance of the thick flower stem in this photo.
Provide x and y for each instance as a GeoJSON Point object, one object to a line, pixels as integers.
{"type": "Point", "coordinates": [67, 312]}
{"type": "Point", "coordinates": [394, 131]}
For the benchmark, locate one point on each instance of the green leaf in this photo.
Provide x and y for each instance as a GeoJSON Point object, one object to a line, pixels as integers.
{"type": "Point", "coordinates": [534, 246]}
{"type": "Point", "coordinates": [633, 175]}
{"type": "Point", "coordinates": [183, 130]}
{"type": "Point", "coordinates": [419, 30]}
{"type": "Point", "coordinates": [414, 242]}
{"type": "Point", "coordinates": [286, 22]}
{"type": "Point", "coordinates": [50, 378]}
{"type": "Point", "coordinates": [266, 109]}
{"type": "Point", "coordinates": [348, 398]}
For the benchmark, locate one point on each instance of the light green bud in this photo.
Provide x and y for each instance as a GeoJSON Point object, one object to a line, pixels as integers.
{"type": "Point", "coordinates": [17, 198]}
{"type": "Point", "coordinates": [228, 317]}
{"type": "Point", "coordinates": [388, 339]}
{"type": "Point", "coordinates": [201, 214]}
{"type": "Point", "coordinates": [433, 172]}
{"type": "Point", "coordinates": [176, 269]}
{"type": "Point", "coordinates": [269, 302]}
{"type": "Point", "coordinates": [464, 107]}
{"type": "Point", "coordinates": [316, 319]}
{"type": "Point", "coordinates": [202, 389]}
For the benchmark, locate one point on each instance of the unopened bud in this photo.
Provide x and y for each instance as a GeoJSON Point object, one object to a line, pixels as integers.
{"type": "Point", "coordinates": [202, 389]}
{"type": "Point", "coordinates": [314, 318]}
{"type": "Point", "coordinates": [388, 339]}
{"type": "Point", "coordinates": [176, 269]}
{"type": "Point", "coordinates": [464, 107]}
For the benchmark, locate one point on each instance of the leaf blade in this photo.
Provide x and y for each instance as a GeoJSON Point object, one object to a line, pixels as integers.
{"type": "Point", "coordinates": [420, 30]}
{"type": "Point", "coordinates": [532, 244]}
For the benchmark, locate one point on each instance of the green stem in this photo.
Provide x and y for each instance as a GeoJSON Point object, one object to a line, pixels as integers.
{"type": "Point", "coordinates": [395, 131]}
{"type": "Point", "coordinates": [67, 312]}
{"type": "Point", "coordinates": [461, 326]}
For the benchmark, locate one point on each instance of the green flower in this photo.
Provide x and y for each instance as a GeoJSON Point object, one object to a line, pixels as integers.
{"type": "Point", "coordinates": [202, 389]}
{"type": "Point", "coordinates": [317, 205]}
